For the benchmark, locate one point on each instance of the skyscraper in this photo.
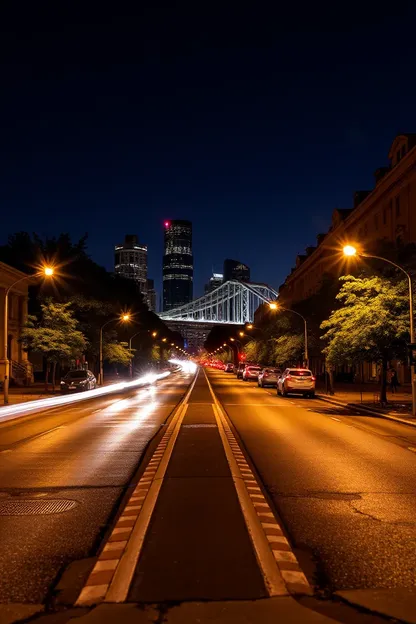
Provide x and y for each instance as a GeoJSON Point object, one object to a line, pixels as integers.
{"type": "Point", "coordinates": [236, 270]}
{"type": "Point", "coordinates": [151, 295]}
{"type": "Point", "coordinates": [178, 264]}
{"type": "Point", "coordinates": [215, 280]}
{"type": "Point", "coordinates": [130, 260]}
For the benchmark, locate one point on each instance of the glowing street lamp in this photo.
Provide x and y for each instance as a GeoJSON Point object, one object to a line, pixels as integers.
{"type": "Point", "coordinates": [154, 334]}
{"type": "Point", "coordinates": [124, 318]}
{"type": "Point", "coordinates": [273, 305]}
{"type": "Point", "coordinates": [249, 326]}
{"type": "Point", "coordinates": [350, 250]}
{"type": "Point", "coordinates": [45, 271]}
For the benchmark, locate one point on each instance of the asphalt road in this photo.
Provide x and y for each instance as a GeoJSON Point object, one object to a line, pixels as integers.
{"type": "Point", "coordinates": [344, 484]}
{"type": "Point", "coordinates": [80, 458]}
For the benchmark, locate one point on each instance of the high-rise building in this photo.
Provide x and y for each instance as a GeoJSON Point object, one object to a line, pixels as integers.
{"type": "Point", "coordinates": [130, 260]}
{"type": "Point", "coordinates": [178, 264]}
{"type": "Point", "coordinates": [236, 270]}
{"type": "Point", "coordinates": [151, 295]}
{"type": "Point", "coordinates": [215, 280]}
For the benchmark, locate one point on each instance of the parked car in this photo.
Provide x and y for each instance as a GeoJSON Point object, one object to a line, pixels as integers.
{"type": "Point", "coordinates": [240, 369]}
{"type": "Point", "coordinates": [251, 373]}
{"type": "Point", "coordinates": [229, 367]}
{"type": "Point", "coordinates": [297, 380]}
{"type": "Point", "coordinates": [268, 377]}
{"type": "Point", "coordinates": [78, 381]}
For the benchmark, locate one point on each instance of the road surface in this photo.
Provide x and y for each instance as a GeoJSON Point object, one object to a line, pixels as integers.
{"type": "Point", "coordinates": [344, 484]}
{"type": "Point", "coordinates": [62, 473]}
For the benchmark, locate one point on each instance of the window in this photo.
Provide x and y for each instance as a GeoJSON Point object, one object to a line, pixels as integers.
{"type": "Point", "coordinates": [376, 221]}
{"type": "Point", "coordinates": [398, 206]}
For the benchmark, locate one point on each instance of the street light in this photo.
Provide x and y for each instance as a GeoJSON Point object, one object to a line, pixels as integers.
{"type": "Point", "coordinates": [46, 271]}
{"type": "Point", "coordinates": [249, 326]}
{"type": "Point", "coordinates": [349, 250]}
{"type": "Point", "coordinates": [154, 334]}
{"type": "Point", "coordinates": [275, 306]}
{"type": "Point", "coordinates": [123, 318]}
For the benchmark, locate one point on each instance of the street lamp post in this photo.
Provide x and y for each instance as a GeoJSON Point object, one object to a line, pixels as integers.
{"type": "Point", "coordinates": [47, 272]}
{"type": "Point", "coordinates": [131, 360]}
{"type": "Point", "coordinates": [349, 250]}
{"type": "Point", "coordinates": [124, 317]}
{"type": "Point", "coordinates": [275, 306]}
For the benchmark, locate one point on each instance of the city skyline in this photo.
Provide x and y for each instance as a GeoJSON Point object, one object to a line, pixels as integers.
{"type": "Point", "coordinates": [236, 137]}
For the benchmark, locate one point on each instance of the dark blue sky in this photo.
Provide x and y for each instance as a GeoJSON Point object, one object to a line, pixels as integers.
{"type": "Point", "coordinates": [253, 124]}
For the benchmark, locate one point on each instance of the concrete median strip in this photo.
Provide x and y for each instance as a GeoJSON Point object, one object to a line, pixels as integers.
{"type": "Point", "coordinates": [281, 571]}
{"type": "Point", "coordinates": [110, 579]}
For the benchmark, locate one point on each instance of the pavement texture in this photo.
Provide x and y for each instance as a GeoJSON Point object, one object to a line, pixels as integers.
{"type": "Point", "coordinates": [197, 546]}
{"type": "Point", "coordinates": [63, 472]}
{"type": "Point", "coordinates": [343, 484]}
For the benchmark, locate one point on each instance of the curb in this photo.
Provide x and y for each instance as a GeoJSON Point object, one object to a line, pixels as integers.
{"type": "Point", "coordinates": [273, 551]}
{"type": "Point", "coordinates": [367, 410]}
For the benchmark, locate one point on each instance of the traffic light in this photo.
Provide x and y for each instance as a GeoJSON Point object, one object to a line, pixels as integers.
{"type": "Point", "coordinates": [412, 353]}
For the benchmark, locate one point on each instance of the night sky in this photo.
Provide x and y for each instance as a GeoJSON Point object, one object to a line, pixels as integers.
{"type": "Point", "coordinates": [253, 124]}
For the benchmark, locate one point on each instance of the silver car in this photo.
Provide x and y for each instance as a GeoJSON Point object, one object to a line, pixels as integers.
{"type": "Point", "coordinates": [251, 373]}
{"type": "Point", "coordinates": [268, 377]}
{"type": "Point", "coordinates": [297, 380]}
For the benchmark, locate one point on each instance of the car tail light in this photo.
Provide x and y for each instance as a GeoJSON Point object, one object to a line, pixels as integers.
{"type": "Point", "coordinates": [288, 376]}
{"type": "Point", "coordinates": [313, 378]}
{"type": "Point", "coordinates": [265, 374]}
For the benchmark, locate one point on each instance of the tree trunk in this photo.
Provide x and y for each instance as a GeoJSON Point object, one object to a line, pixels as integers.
{"type": "Point", "coordinates": [383, 380]}
{"type": "Point", "coordinates": [48, 367]}
{"type": "Point", "coordinates": [53, 376]}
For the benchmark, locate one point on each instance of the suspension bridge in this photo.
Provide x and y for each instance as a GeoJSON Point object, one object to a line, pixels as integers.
{"type": "Point", "coordinates": [232, 303]}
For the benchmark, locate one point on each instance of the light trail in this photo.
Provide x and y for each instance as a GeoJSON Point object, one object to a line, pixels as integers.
{"type": "Point", "coordinates": [14, 411]}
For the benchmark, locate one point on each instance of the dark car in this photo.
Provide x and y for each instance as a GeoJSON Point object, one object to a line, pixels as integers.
{"type": "Point", "coordinates": [268, 377]}
{"type": "Point", "coordinates": [229, 367]}
{"type": "Point", "coordinates": [239, 370]}
{"type": "Point", "coordinates": [78, 381]}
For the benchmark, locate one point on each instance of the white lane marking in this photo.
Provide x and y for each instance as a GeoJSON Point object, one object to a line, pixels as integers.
{"type": "Point", "coordinates": [337, 419]}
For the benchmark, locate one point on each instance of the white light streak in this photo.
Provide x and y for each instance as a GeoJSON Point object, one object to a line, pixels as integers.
{"type": "Point", "coordinates": [15, 411]}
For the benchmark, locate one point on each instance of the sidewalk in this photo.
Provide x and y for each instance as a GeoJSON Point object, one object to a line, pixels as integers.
{"type": "Point", "coordinates": [366, 396]}
{"type": "Point", "coordinates": [197, 540]}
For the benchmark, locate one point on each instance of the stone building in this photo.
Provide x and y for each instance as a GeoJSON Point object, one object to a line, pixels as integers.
{"type": "Point", "coordinates": [385, 214]}
{"type": "Point", "coordinates": [20, 368]}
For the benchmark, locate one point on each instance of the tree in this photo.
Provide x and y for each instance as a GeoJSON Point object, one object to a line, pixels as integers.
{"type": "Point", "coordinates": [288, 349]}
{"type": "Point", "coordinates": [55, 335]}
{"type": "Point", "coordinates": [118, 353]}
{"type": "Point", "coordinates": [371, 325]}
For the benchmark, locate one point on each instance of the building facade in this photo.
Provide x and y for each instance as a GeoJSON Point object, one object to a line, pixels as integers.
{"type": "Point", "coordinates": [151, 295]}
{"type": "Point", "coordinates": [178, 264]}
{"type": "Point", "coordinates": [20, 368]}
{"type": "Point", "coordinates": [236, 270]}
{"type": "Point", "coordinates": [385, 214]}
{"type": "Point", "coordinates": [130, 260]}
{"type": "Point", "coordinates": [215, 280]}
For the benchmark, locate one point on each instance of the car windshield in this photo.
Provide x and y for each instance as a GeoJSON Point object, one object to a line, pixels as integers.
{"type": "Point", "coordinates": [253, 368]}
{"type": "Point", "coordinates": [77, 374]}
{"type": "Point", "coordinates": [300, 373]}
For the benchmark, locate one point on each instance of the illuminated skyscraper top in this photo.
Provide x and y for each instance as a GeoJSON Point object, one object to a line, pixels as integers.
{"type": "Point", "coordinates": [178, 264]}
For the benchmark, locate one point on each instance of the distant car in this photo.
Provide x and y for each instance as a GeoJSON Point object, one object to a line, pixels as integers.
{"type": "Point", "coordinates": [239, 371]}
{"type": "Point", "coordinates": [297, 380]}
{"type": "Point", "coordinates": [251, 373]}
{"type": "Point", "coordinates": [78, 381]}
{"type": "Point", "coordinates": [229, 367]}
{"type": "Point", "coordinates": [268, 377]}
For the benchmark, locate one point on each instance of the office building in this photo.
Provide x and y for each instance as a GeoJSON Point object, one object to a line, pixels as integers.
{"type": "Point", "coordinates": [236, 270]}
{"type": "Point", "coordinates": [214, 281]}
{"type": "Point", "coordinates": [130, 260]}
{"type": "Point", "coordinates": [151, 295]}
{"type": "Point", "coordinates": [178, 264]}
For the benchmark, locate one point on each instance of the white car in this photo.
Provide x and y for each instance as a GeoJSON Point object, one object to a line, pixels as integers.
{"type": "Point", "coordinates": [251, 373]}
{"type": "Point", "coordinates": [298, 381]}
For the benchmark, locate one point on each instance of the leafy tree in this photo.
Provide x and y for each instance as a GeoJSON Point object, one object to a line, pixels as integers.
{"type": "Point", "coordinates": [371, 325]}
{"type": "Point", "coordinates": [118, 353]}
{"type": "Point", "coordinates": [55, 335]}
{"type": "Point", "coordinates": [288, 349]}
